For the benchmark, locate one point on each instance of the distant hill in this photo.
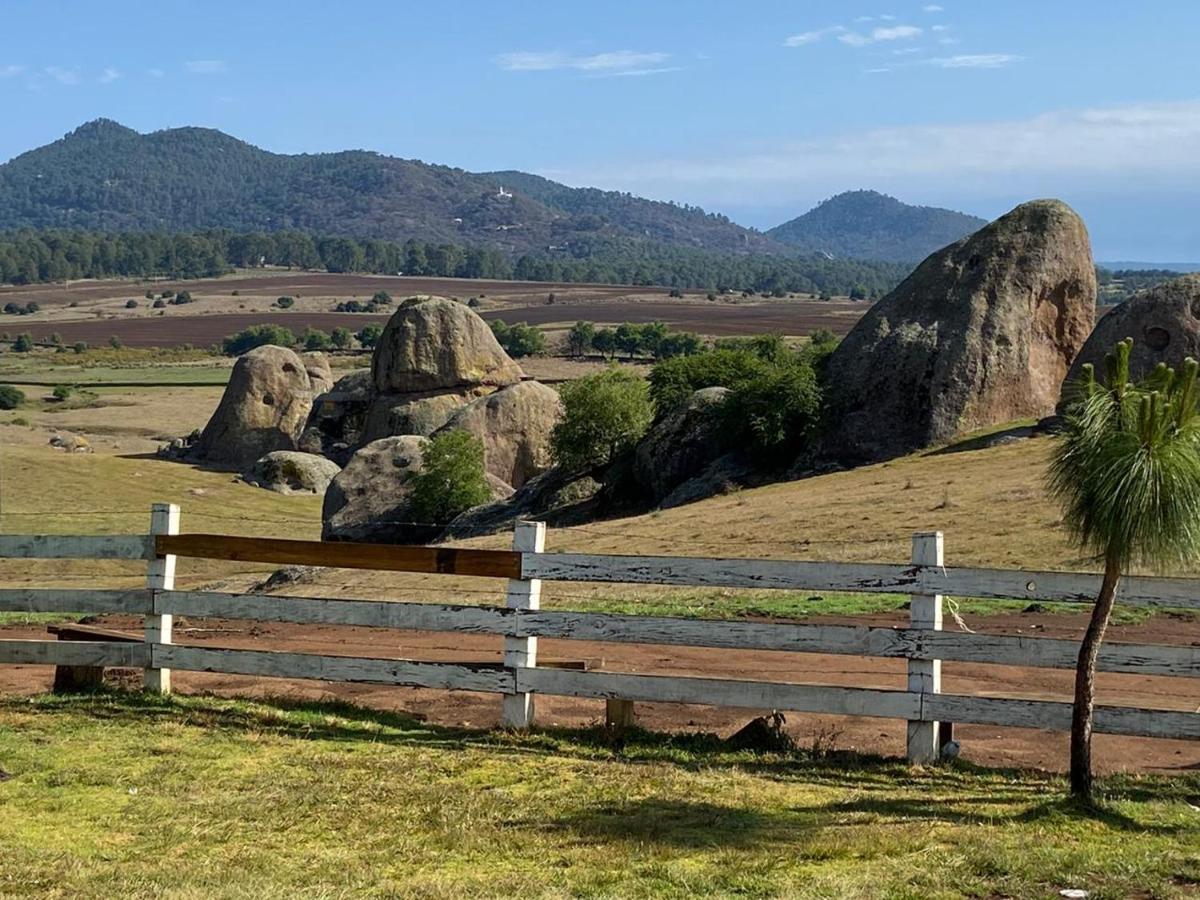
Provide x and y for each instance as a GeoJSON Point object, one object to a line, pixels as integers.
{"type": "Point", "coordinates": [106, 177]}
{"type": "Point", "coordinates": [870, 225]}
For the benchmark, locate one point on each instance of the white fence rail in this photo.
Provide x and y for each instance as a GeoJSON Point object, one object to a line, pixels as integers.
{"type": "Point", "coordinates": [521, 623]}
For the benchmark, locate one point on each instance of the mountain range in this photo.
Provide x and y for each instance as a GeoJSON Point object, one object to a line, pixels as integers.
{"type": "Point", "coordinates": [106, 177]}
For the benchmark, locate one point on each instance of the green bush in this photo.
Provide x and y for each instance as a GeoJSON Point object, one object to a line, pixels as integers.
{"type": "Point", "coordinates": [257, 336]}
{"type": "Point", "coordinates": [285, 302]}
{"type": "Point", "coordinates": [518, 340]}
{"type": "Point", "coordinates": [10, 397]}
{"type": "Point", "coordinates": [80, 347]}
{"type": "Point", "coordinates": [382, 298]}
{"type": "Point", "coordinates": [131, 304]}
{"type": "Point", "coordinates": [341, 338]}
{"type": "Point", "coordinates": [315, 339]}
{"type": "Point", "coordinates": [115, 342]}
{"type": "Point", "coordinates": [603, 415]}
{"type": "Point", "coordinates": [451, 479]}
{"type": "Point", "coordinates": [674, 380]}
{"type": "Point", "coordinates": [369, 336]}
{"type": "Point", "coordinates": [63, 392]}
{"type": "Point", "coordinates": [776, 411]}
{"type": "Point", "coordinates": [159, 304]}
{"type": "Point", "coordinates": [23, 343]}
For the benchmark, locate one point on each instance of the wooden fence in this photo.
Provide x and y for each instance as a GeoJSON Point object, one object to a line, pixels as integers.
{"type": "Point", "coordinates": [521, 623]}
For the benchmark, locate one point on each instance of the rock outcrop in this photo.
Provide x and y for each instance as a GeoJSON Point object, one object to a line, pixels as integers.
{"type": "Point", "coordinates": [514, 425]}
{"type": "Point", "coordinates": [983, 332]}
{"type": "Point", "coordinates": [682, 445]}
{"type": "Point", "coordinates": [369, 499]}
{"type": "Point", "coordinates": [1164, 323]}
{"type": "Point", "coordinates": [420, 413]}
{"type": "Point", "coordinates": [292, 472]}
{"type": "Point", "coordinates": [336, 424]}
{"type": "Point", "coordinates": [554, 497]}
{"type": "Point", "coordinates": [320, 374]}
{"type": "Point", "coordinates": [264, 408]}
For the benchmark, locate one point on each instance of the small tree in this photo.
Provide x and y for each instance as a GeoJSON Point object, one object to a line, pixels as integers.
{"type": "Point", "coordinates": [579, 338]}
{"type": "Point", "coordinates": [369, 336]}
{"type": "Point", "coordinates": [257, 336]}
{"type": "Point", "coordinates": [23, 343]}
{"type": "Point", "coordinates": [131, 304]}
{"type": "Point", "coordinates": [159, 304]}
{"type": "Point", "coordinates": [605, 342]}
{"type": "Point", "coordinates": [285, 302]}
{"type": "Point", "coordinates": [629, 338]}
{"type": "Point", "coordinates": [451, 479]}
{"type": "Point", "coordinates": [115, 342]}
{"type": "Point", "coordinates": [603, 415]}
{"type": "Point", "coordinates": [341, 338]}
{"type": "Point", "coordinates": [63, 392]}
{"type": "Point", "coordinates": [10, 397]}
{"type": "Point", "coordinates": [315, 339]}
{"type": "Point", "coordinates": [1127, 472]}
{"type": "Point", "coordinates": [80, 347]}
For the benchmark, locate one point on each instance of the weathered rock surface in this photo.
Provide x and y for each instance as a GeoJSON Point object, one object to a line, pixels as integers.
{"type": "Point", "coordinates": [434, 344]}
{"type": "Point", "coordinates": [514, 425]}
{"type": "Point", "coordinates": [320, 373]}
{"type": "Point", "coordinates": [554, 497]}
{"type": "Point", "coordinates": [982, 332]}
{"type": "Point", "coordinates": [293, 472]}
{"type": "Point", "coordinates": [335, 425]}
{"type": "Point", "coordinates": [417, 413]}
{"type": "Point", "coordinates": [682, 445]}
{"type": "Point", "coordinates": [369, 499]}
{"type": "Point", "coordinates": [264, 408]}
{"type": "Point", "coordinates": [721, 476]}
{"type": "Point", "coordinates": [1164, 323]}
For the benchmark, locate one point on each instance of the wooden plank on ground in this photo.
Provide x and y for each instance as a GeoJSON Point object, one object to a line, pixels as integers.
{"type": "Point", "coordinates": [65, 600]}
{"type": "Point", "coordinates": [344, 555]}
{"type": "Point", "coordinates": [320, 611]}
{"type": "Point", "coordinates": [276, 664]}
{"type": "Point", "coordinates": [76, 546]}
{"type": "Point", "coordinates": [73, 653]}
{"type": "Point", "coordinates": [722, 692]}
{"type": "Point", "coordinates": [1054, 715]}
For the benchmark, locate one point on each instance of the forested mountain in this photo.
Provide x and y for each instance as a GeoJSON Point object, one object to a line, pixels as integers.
{"type": "Point", "coordinates": [106, 177]}
{"type": "Point", "coordinates": [870, 225]}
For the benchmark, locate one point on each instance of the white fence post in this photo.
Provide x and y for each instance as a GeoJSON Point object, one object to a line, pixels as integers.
{"type": "Point", "coordinates": [521, 652]}
{"type": "Point", "coordinates": [925, 675]}
{"type": "Point", "coordinates": [160, 576]}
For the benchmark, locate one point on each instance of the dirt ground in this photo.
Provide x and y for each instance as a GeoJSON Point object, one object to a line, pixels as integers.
{"type": "Point", "coordinates": [985, 745]}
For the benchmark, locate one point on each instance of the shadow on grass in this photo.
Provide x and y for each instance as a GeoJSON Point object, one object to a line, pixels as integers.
{"type": "Point", "coordinates": [685, 824]}
{"type": "Point", "coordinates": [956, 793]}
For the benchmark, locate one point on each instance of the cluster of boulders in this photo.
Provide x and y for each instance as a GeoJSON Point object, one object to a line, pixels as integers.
{"type": "Point", "coordinates": [287, 425]}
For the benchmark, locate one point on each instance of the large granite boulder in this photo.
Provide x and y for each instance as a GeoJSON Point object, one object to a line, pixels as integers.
{"type": "Point", "coordinates": [983, 332]}
{"type": "Point", "coordinates": [433, 344]}
{"type": "Point", "coordinates": [369, 499]}
{"type": "Point", "coordinates": [1164, 323]}
{"type": "Point", "coordinates": [264, 408]}
{"type": "Point", "coordinates": [320, 373]}
{"type": "Point", "coordinates": [555, 497]}
{"type": "Point", "coordinates": [682, 445]}
{"type": "Point", "coordinates": [336, 423]}
{"type": "Point", "coordinates": [420, 413]}
{"type": "Point", "coordinates": [514, 425]}
{"type": "Point", "coordinates": [292, 472]}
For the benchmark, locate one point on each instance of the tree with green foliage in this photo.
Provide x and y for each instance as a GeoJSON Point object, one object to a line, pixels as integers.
{"type": "Point", "coordinates": [115, 342]}
{"type": "Point", "coordinates": [257, 336]}
{"type": "Point", "coordinates": [605, 342]}
{"type": "Point", "coordinates": [11, 397]}
{"type": "Point", "coordinates": [381, 298]}
{"type": "Point", "coordinates": [23, 343]}
{"type": "Point", "coordinates": [579, 338]}
{"type": "Point", "coordinates": [451, 479]}
{"type": "Point", "coordinates": [777, 410]}
{"type": "Point", "coordinates": [1126, 470]}
{"type": "Point", "coordinates": [62, 392]}
{"type": "Point", "coordinates": [131, 304]}
{"type": "Point", "coordinates": [603, 416]}
{"type": "Point", "coordinates": [315, 339]}
{"type": "Point", "coordinates": [285, 302]}
{"type": "Point", "coordinates": [341, 338]}
{"type": "Point", "coordinates": [520, 339]}
{"type": "Point", "coordinates": [369, 336]}
{"type": "Point", "coordinates": [80, 347]}
{"type": "Point", "coordinates": [629, 339]}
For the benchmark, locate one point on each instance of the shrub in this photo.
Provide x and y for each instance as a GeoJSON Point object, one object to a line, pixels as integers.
{"type": "Point", "coordinates": [63, 392]}
{"type": "Point", "coordinates": [80, 347]}
{"type": "Point", "coordinates": [181, 298]}
{"type": "Point", "coordinates": [341, 338]}
{"type": "Point", "coordinates": [675, 292]}
{"type": "Point", "coordinates": [11, 309]}
{"type": "Point", "coordinates": [519, 340]}
{"type": "Point", "coordinates": [167, 295]}
{"type": "Point", "coordinates": [149, 295]}
{"type": "Point", "coordinates": [285, 302]}
{"type": "Point", "coordinates": [21, 420]}
{"type": "Point", "coordinates": [315, 339]}
{"type": "Point", "coordinates": [10, 397]}
{"type": "Point", "coordinates": [603, 416]}
{"type": "Point", "coordinates": [159, 304]}
{"type": "Point", "coordinates": [31, 308]}
{"type": "Point", "coordinates": [777, 410]}
{"type": "Point", "coordinates": [115, 342]}
{"type": "Point", "coordinates": [579, 338]}
{"type": "Point", "coordinates": [472, 302]}
{"type": "Point", "coordinates": [382, 298]}
{"type": "Point", "coordinates": [550, 298]}
{"type": "Point", "coordinates": [451, 479]}
{"type": "Point", "coordinates": [674, 380]}
{"type": "Point", "coordinates": [369, 336]}
{"type": "Point", "coordinates": [56, 339]}
{"type": "Point", "coordinates": [131, 304]}
{"type": "Point", "coordinates": [23, 343]}
{"type": "Point", "coordinates": [257, 336]}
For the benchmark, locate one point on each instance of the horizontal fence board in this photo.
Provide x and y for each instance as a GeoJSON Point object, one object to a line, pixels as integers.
{"type": "Point", "coordinates": [740, 573]}
{"type": "Point", "coordinates": [1054, 715]}
{"type": "Point", "coordinates": [276, 664]}
{"type": "Point", "coordinates": [722, 692]}
{"type": "Point", "coordinates": [343, 555]}
{"type": "Point", "coordinates": [1061, 587]}
{"type": "Point", "coordinates": [313, 610]}
{"type": "Point", "coordinates": [73, 653]}
{"type": "Point", "coordinates": [76, 546]}
{"type": "Point", "coordinates": [857, 640]}
{"type": "Point", "coordinates": [70, 600]}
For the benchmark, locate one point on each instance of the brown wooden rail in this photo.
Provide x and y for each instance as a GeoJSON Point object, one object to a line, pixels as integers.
{"type": "Point", "coordinates": [382, 557]}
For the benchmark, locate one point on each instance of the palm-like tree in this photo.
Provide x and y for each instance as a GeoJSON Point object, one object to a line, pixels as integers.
{"type": "Point", "coordinates": [1127, 472]}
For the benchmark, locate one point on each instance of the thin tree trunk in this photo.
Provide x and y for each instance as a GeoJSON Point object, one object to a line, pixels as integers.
{"type": "Point", "coordinates": [1085, 682]}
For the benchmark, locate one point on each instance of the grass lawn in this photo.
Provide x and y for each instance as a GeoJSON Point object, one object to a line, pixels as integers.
{"type": "Point", "coordinates": [125, 795]}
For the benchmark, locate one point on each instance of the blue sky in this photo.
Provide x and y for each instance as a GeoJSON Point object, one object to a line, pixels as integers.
{"type": "Point", "coordinates": [755, 109]}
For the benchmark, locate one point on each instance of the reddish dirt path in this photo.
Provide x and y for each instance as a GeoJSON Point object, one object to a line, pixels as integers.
{"type": "Point", "coordinates": [986, 745]}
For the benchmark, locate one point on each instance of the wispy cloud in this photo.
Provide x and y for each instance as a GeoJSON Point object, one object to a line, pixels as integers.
{"type": "Point", "coordinates": [207, 66]}
{"type": "Point", "coordinates": [156, 73]}
{"type": "Point", "coordinates": [886, 33]}
{"type": "Point", "coordinates": [931, 8]}
{"type": "Point", "coordinates": [109, 75]}
{"type": "Point", "coordinates": [615, 62]}
{"type": "Point", "coordinates": [62, 75]}
{"type": "Point", "coordinates": [975, 61]}
{"type": "Point", "coordinates": [11, 71]}
{"type": "Point", "coordinates": [811, 37]}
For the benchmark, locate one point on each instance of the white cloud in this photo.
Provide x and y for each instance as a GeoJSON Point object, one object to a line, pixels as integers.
{"type": "Point", "coordinates": [616, 62]}
{"type": "Point", "coordinates": [811, 37]}
{"type": "Point", "coordinates": [931, 8]}
{"type": "Point", "coordinates": [888, 18]}
{"type": "Point", "coordinates": [888, 33]}
{"type": "Point", "coordinates": [940, 28]}
{"type": "Point", "coordinates": [62, 76]}
{"type": "Point", "coordinates": [1146, 141]}
{"type": "Point", "coordinates": [206, 66]}
{"type": "Point", "coordinates": [905, 51]}
{"type": "Point", "coordinates": [11, 71]}
{"type": "Point", "coordinates": [109, 75]}
{"type": "Point", "coordinates": [975, 61]}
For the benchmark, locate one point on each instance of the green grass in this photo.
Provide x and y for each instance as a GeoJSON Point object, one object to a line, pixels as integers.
{"type": "Point", "coordinates": [32, 618]}
{"type": "Point", "coordinates": [132, 796]}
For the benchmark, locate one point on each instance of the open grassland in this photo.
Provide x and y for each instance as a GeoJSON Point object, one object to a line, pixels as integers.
{"type": "Point", "coordinates": [124, 795]}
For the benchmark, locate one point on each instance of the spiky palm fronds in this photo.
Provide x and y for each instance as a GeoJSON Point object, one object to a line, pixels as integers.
{"type": "Point", "coordinates": [1127, 467]}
